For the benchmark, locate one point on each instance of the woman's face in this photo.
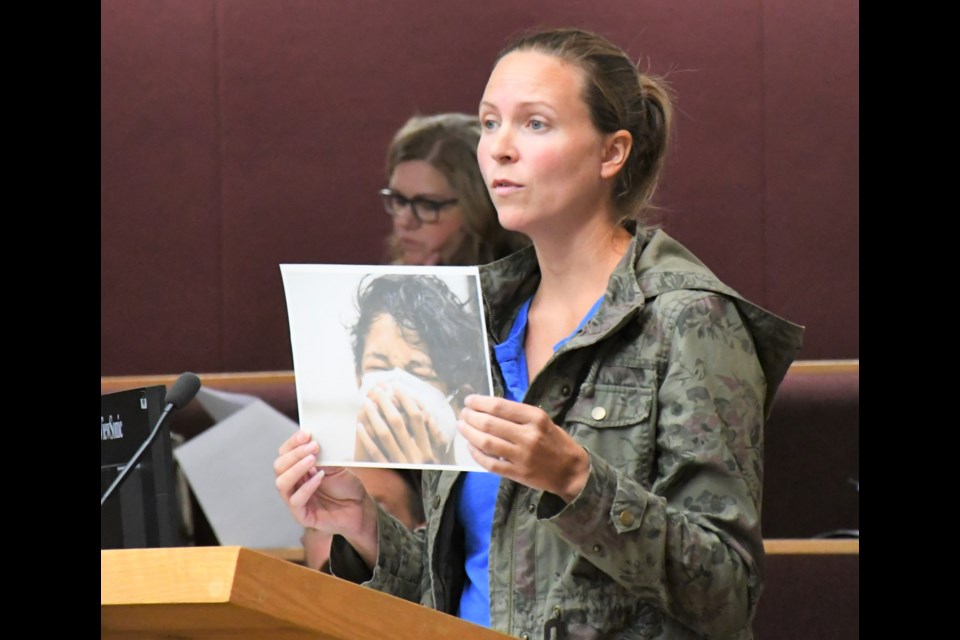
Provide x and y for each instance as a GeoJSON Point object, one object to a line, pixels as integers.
{"type": "Point", "coordinates": [422, 243]}
{"type": "Point", "coordinates": [539, 152]}
{"type": "Point", "coordinates": [387, 347]}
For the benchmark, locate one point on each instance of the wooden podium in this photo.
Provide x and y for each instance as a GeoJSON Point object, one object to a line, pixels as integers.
{"type": "Point", "coordinates": [220, 592]}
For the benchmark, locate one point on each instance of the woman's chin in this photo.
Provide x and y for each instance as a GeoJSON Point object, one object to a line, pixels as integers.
{"type": "Point", "coordinates": [413, 258]}
{"type": "Point", "coordinates": [512, 219]}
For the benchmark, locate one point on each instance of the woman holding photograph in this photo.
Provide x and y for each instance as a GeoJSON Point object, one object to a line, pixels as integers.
{"type": "Point", "coordinates": [624, 439]}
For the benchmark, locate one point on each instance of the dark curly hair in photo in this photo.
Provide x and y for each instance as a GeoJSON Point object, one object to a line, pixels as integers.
{"type": "Point", "coordinates": [431, 317]}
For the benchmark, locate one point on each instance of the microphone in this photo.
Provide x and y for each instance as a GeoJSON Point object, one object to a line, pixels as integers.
{"type": "Point", "coordinates": [181, 393]}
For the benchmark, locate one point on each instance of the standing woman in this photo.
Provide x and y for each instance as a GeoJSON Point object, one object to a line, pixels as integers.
{"type": "Point", "coordinates": [442, 214]}
{"type": "Point", "coordinates": [626, 448]}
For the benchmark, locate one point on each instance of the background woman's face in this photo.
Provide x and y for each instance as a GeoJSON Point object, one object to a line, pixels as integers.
{"type": "Point", "coordinates": [425, 243]}
{"type": "Point", "coordinates": [387, 347]}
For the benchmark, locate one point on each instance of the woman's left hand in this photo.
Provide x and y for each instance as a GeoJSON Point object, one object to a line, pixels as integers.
{"type": "Point", "coordinates": [521, 442]}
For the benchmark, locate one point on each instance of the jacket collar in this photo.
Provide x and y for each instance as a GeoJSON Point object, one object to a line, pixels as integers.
{"type": "Point", "coordinates": [654, 264]}
{"type": "Point", "coordinates": [509, 282]}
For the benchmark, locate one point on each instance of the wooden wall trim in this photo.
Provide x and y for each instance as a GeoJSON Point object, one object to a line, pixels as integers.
{"type": "Point", "coordinates": [846, 546]}
{"type": "Point", "coordinates": [109, 384]}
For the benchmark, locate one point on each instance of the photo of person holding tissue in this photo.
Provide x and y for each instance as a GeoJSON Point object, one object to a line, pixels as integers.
{"type": "Point", "coordinates": [418, 352]}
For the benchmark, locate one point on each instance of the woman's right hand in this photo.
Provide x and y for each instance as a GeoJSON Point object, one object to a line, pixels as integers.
{"type": "Point", "coordinates": [329, 499]}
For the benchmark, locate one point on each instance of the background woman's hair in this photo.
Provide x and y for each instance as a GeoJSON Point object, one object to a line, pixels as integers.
{"type": "Point", "coordinates": [448, 141]}
{"type": "Point", "coordinates": [430, 317]}
{"type": "Point", "coordinates": [619, 97]}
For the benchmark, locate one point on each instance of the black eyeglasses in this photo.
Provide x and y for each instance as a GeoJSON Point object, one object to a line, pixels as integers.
{"type": "Point", "coordinates": [424, 210]}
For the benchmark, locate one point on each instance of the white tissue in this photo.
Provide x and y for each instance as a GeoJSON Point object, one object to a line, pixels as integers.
{"type": "Point", "coordinates": [432, 399]}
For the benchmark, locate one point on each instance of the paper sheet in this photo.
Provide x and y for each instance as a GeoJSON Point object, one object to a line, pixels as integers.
{"type": "Point", "coordinates": [230, 469]}
{"type": "Point", "coordinates": [384, 356]}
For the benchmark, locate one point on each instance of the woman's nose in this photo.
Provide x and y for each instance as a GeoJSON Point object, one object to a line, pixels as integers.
{"type": "Point", "coordinates": [501, 146]}
{"type": "Point", "coordinates": [405, 218]}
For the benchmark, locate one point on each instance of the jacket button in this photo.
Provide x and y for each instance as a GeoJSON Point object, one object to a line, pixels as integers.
{"type": "Point", "coordinates": [531, 507]}
{"type": "Point", "coordinates": [565, 390]}
{"type": "Point", "coordinates": [597, 548]}
{"type": "Point", "coordinates": [598, 413]}
{"type": "Point", "coordinates": [626, 518]}
{"type": "Point", "coordinates": [436, 501]}
{"type": "Point", "coordinates": [557, 613]}
{"type": "Point", "coordinates": [524, 636]}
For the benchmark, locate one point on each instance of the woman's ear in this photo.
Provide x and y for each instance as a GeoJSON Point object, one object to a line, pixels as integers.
{"type": "Point", "coordinates": [616, 150]}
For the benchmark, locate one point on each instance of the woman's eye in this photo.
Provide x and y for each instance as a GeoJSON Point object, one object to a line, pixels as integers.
{"type": "Point", "coordinates": [538, 125]}
{"type": "Point", "coordinates": [489, 124]}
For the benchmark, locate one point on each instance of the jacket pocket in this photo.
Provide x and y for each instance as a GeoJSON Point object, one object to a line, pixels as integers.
{"type": "Point", "coordinates": [612, 406]}
{"type": "Point", "coordinates": [618, 423]}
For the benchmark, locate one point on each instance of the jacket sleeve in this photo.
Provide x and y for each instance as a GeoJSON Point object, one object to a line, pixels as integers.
{"type": "Point", "coordinates": [691, 544]}
{"type": "Point", "coordinates": [399, 560]}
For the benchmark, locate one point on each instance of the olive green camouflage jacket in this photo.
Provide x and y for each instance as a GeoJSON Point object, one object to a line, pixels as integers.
{"type": "Point", "coordinates": [667, 388]}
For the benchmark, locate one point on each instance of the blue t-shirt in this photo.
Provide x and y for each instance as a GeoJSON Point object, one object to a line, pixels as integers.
{"type": "Point", "coordinates": [478, 491]}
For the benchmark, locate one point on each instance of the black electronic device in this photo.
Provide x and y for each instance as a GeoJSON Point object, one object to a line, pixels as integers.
{"type": "Point", "coordinates": [143, 510]}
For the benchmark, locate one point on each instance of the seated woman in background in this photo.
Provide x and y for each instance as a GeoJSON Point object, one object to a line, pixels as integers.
{"type": "Point", "coordinates": [441, 210]}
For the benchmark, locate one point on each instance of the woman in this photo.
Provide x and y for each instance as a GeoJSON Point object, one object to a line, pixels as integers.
{"type": "Point", "coordinates": [436, 196]}
{"type": "Point", "coordinates": [625, 494]}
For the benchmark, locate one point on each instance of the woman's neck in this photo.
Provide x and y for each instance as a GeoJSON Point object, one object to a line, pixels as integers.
{"type": "Point", "coordinates": [577, 265]}
{"type": "Point", "coordinates": [574, 271]}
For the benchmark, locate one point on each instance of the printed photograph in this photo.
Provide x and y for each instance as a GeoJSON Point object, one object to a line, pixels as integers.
{"type": "Point", "coordinates": [383, 358]}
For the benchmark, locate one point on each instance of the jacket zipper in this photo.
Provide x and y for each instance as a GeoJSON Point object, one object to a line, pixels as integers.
{"type": "Point", "coordinates": [486, 306]}
{"type": "Point", "coordinates": [513, 537]}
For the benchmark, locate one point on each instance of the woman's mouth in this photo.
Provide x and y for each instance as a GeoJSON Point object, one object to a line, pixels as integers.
{"type": "Point", "coordinates": [503, 187]}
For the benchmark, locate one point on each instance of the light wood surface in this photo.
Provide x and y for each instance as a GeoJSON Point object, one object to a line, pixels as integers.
{"type": "Point", "coordinates": [206, 592]}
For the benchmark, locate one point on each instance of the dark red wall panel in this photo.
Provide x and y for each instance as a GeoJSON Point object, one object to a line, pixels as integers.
{"type": "Point", "coordinates": [250, 133]}
{"type": "Point", "coordinates": [160, 272]}
{"type": "Point", "coordinates": [812, 133]}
